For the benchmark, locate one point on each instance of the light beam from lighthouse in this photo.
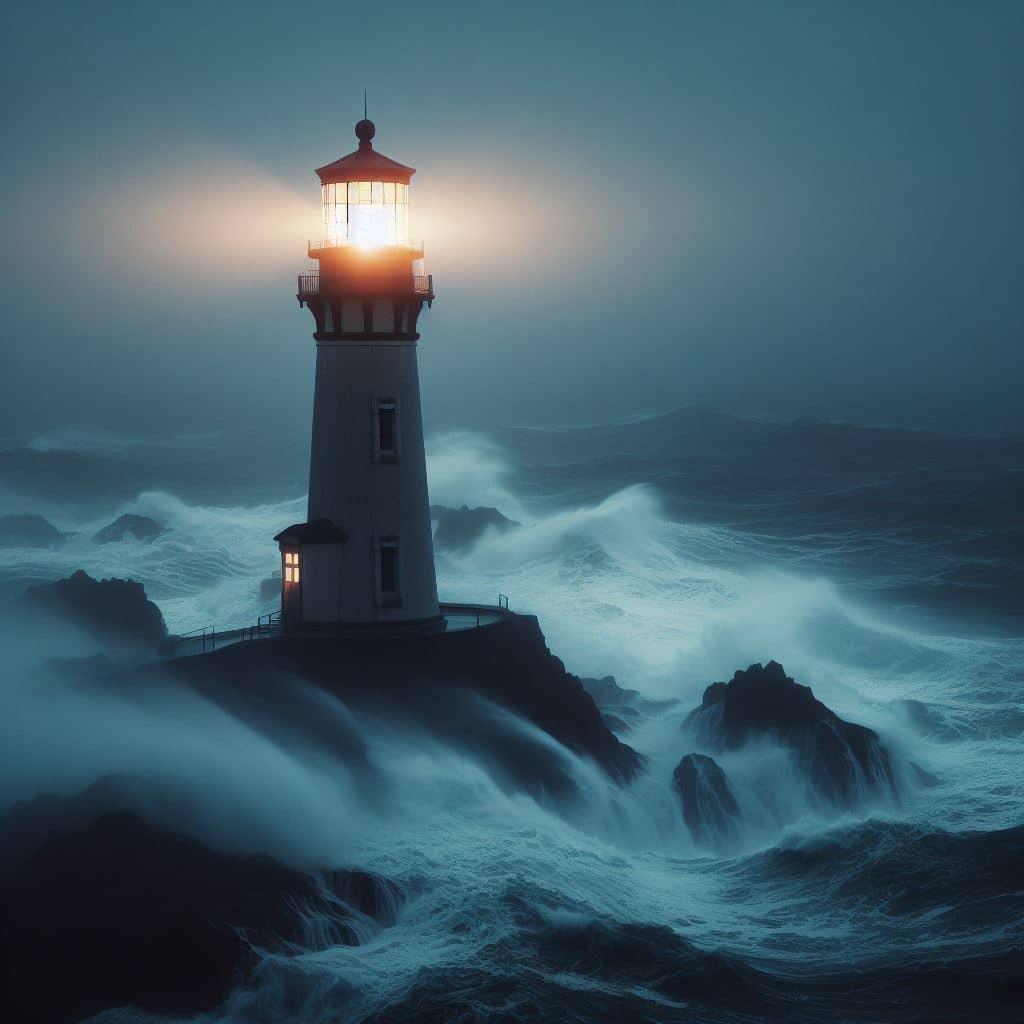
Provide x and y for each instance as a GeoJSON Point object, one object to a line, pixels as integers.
{"type": "Point", "coordinates": [365, 554]}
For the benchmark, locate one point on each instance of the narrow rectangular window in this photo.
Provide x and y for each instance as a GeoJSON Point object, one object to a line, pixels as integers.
{"type": "Point", "coordinates": [291, 567]}
{"type": "Point", "coordinates": [386, 435]}
{"type": "Point", "coordinates": [388, 572]}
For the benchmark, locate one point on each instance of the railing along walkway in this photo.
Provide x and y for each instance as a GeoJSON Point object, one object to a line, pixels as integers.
{"type": "Point", "coordinates": [206, 639]}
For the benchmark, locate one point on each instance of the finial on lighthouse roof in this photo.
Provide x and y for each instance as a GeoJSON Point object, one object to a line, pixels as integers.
{"type": "Point", "coordinates": [365, 130]}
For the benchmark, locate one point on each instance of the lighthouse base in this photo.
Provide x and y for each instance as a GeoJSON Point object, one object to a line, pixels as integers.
{"type": "Point", "coordinates": [432, 624]}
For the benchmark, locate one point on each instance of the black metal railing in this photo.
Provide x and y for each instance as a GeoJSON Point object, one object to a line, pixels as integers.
{"type": "Point", "coordinates": [309, 285]}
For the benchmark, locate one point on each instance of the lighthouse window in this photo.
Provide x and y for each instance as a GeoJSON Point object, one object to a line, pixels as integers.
{"type": "Point", "coordinates": [387, 430]}
{"type": "Point", "coordinates": [388, 568]}
{"type": "Point", "coordinates": [291, 567]}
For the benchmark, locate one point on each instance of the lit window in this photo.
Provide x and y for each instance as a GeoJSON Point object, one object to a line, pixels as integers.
{"type": "Point", "coordinates": [291, 567]}
{"type": "Point", "coordinates": [388, 567]}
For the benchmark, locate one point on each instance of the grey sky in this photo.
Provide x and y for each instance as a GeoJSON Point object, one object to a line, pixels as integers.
{"type": "Point", "coordinates": [785, 209]}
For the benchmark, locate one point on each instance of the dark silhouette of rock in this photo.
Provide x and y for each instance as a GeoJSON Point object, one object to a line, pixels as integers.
{"type": "Point", "coordinates": [270, 588]}
{"type": "Point", "coordinates": [435, 681]}
{"type": "Point", "coordinates": [115, 611]}
{"type": "Point", "coordinates": [29, 531]}
{"type": "Point", "coordinates": [460, 528]}
{"type": "Point", "coordinates": [606, 691]}
{"type": "Point", "coordinates": [617, 725]}
{"type": "Point", "coordinates": [844, 762]}
{"type": "Point", "coordinates": [129, 527]}
{"type": "Point", "coordinates": [609, 696]}
{"type": "Point", "coordinates": [709, 807]}
{"type": "Point", "coordinates": [122, 913]}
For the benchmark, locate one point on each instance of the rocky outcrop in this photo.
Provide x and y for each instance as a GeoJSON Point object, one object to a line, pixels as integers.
{"type": "Point", "coordinates": [609, 696]}
{"type": "Point", "coordinates": [270, 588]}
{"type": "Point", "coordinates": [121, 913]}
{"type": "Point", "coordinates": [117, 612]}
{"type": "Point", "coordinates": [844, 762]}
{"type": "Point", "coordinates": [129, 527]}
{"type": "Point", "coordinates": [29, 531]}
{"type": "Point", "coordinates": [447, 683]}
{"type": "Point", "coordinates": [709, 807]}
{"type": "Point", "coordinates": [460, 528]}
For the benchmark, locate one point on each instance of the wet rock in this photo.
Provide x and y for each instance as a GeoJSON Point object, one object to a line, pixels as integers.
{"type": "Point", "coordinates": [709, 807]}
{"type": "Point", "coordinates": [449, 683]}
{"type": "Point", "coordinates": [616, 724]}
{"type": "Point", "coordinates": [129, 527]}
{"type": "Point", "coordinates": [460, 528]}
{"type": "Point", "coordinates": [115, 611]}
{"type": "Point", "coordinates": [609, 696]}
{"type": "Point", "coordinates": [843, 761]}
{"type": "Point", "coordinates": [29, 531]}
{"type": "Point", "coordinates": [122, 913]}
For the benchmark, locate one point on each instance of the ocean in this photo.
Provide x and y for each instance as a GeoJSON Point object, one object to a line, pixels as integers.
{"type": "Point", "coordinates": [882, 567]}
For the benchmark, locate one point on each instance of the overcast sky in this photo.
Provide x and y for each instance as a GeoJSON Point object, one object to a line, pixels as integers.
{"type": "Point", "coordinates": [775, 208]}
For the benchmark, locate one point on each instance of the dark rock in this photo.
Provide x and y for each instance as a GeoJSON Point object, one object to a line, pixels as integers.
{"type": "Point", "coordinates": [844, 762]}
{"type": "Point", "coordinates": [29, 531]}
{"type": "Point", "coordinates": [129, 527]}
{"type": "Point", "coordinates": [436, 680]}
{"type": "Point", "coordinates": [608, 695]}
{"type": "Point", "coordinates": [616, 724]}
{"type": "Point", "coordinates": [115, 611]}
{"type": "Point", "coordinates": [122, 913]}
{"type": "Point", "coordinates": [607, 691]}
{"type": "Point", "coordinates": [460, 528]}
{"type": "Point", "coordinates": [270, 588]}
{"type": "Point", "coordinates": [709, 807]}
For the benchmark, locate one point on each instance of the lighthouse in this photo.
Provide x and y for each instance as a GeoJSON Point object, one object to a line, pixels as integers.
{"type": "Point", "coordinates": [364, 557]}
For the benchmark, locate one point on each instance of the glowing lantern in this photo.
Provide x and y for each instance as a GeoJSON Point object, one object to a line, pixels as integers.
{"type": "Point", "coordinates": [365, 198]}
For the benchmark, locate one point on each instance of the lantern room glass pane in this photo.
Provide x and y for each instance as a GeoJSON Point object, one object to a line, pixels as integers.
{"type": "Point", "coordinates": [377, 192]}
{"type": "Point", "coordinates": [364, 191]}
{"type": "Point", "coordinates": [389, 192]}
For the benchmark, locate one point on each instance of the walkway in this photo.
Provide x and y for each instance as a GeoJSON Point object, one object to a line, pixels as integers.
{"type": "Point", "coordinates": [456, 617]}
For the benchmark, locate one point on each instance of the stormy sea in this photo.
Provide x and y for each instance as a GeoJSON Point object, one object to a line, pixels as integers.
{"type": "Point", "coordinates": [729, 877]}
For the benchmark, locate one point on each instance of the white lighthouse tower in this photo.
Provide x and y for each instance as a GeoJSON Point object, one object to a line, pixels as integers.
{"type": "Point", "coordinates": [365, 554]}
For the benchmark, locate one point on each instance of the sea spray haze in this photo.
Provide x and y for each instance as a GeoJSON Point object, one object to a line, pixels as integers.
{"type": "Point", "coordinates": [598, 901]}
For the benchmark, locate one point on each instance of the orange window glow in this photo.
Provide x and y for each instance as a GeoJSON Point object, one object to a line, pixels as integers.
{"type": "Point", "coordinates": [291, 567]}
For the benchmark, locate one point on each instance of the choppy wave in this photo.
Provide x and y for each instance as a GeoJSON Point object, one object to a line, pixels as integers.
{"type": "Point", "coordinates": [518, 907]}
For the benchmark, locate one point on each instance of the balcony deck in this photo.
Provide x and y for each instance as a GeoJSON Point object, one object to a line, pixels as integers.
{"type": "Point", "coordinates": [309, 286]}
{"type": "Point", "coordinates": [316, 246]}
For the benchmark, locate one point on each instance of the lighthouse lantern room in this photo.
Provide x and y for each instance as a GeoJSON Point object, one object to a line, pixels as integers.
{"type": "Point", "coordinates": [365, 554]}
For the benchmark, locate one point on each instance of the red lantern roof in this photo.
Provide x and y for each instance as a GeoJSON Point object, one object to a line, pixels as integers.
{"type": "Point", "coordinates": [365, 164]}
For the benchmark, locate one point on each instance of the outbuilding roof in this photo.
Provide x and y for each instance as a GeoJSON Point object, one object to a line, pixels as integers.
{"type": "Point", "coordinates": [320, 531]}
